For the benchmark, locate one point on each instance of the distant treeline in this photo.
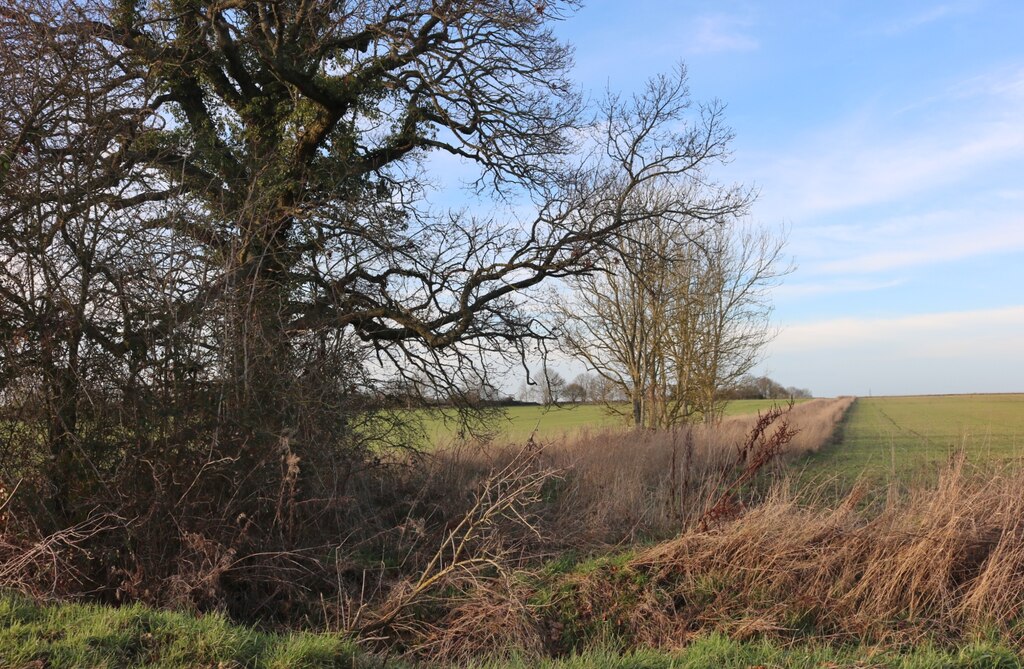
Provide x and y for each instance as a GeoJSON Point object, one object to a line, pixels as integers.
{"type": "Point", "coordinates": [763, 388]}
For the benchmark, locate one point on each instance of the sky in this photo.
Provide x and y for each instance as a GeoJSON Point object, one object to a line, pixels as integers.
{"type": "Point", "coordinates": [887, 139]}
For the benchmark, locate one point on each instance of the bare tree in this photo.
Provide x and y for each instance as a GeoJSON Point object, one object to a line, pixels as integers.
{"type": "Point", "coordinates": [286, 191]}
{"type": "Point", "coordinates": [681, 318]}
{"type": "Point", "coordinates": [601, 389]}
{"type": "Point", "coordinates": [217, 262]}
{"type": "Point", "coordinates": [526, 392]}
{"type": "Point", "coordinates": [744, 263]}
{"type": "Point", "coordinates": [577, 391]}
{"type": "Point", "coordinates": [552, 386]}
{"type": "Point", "coordinates": [625, 319]}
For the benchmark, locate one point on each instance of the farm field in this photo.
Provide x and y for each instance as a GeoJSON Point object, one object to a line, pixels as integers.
{"type": "Point", "coordinates": [566, 420]}
{"type": "Point", "coordinates": [908, 438]}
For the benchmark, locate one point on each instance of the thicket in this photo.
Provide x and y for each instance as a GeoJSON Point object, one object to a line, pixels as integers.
{"type": "Point", "coordinates": [440, 531]}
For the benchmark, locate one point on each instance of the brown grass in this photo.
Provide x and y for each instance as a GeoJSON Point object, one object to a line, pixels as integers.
{"type": "Point", "coordinates": [440, 542]}
{"type": "Point", "coordinates": [586, 494]}
{"type": "Point", "coordinates": [946, 561]}
{"type": "Point", "coordinates": [944, 564]}
{"type": "Point", "coordinates": [621, 486]}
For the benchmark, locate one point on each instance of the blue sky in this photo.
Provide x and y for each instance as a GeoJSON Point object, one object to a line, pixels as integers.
{"type": "Point", "coordinates": [888, 138]}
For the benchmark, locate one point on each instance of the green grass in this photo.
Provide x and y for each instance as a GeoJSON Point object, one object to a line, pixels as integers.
{"type": "Point", "coordinates": [565, 420]}
{"type": "Point", "coordinates": [79, 635]}
{"type": "Point", "coordinates": [717, 651]}
{"type": "Point", "coordinates": [907, 438]}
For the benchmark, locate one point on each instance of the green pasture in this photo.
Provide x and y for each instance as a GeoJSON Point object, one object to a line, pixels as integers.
{"type": "Point", "coordinates": [517, 423]}
{"type": "Point", "coordinates": [904, 438]}
{"type": "Point", "coordinates": [91, 636]}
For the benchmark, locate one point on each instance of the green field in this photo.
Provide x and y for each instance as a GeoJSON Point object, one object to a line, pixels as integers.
{"type": "Point", "coordinates": [908, 437]}
{"type": "Point", "coordinates": [565, 420]}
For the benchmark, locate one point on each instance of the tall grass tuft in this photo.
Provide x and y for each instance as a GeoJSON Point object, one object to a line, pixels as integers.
{"type": "Point", "coordinates": [621, 486]}
{"type": "Point", "coordinates": [945, 562]}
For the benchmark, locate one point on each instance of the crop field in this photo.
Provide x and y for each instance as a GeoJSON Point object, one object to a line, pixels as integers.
{"type": "Point", "coordinates": [907, 438]}
{"type": "Point", "coordinates": [565, 420]}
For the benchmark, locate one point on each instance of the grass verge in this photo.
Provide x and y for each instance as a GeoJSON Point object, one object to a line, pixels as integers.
{"type": "Point", "coordinates": [720, 652]}
{"type": "Point", "coordinates": [72, 636]}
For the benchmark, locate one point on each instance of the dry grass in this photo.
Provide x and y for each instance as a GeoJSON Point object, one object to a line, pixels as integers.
{"type": "Point", "coordinates": [948, 560]}
{"type": "Point", "coordinates": [944, 565]}
{"type": "Point", "coordinates": [621, 486]}
{"type": "Point", "coordinates": [443, 541]}
{"type": "Point", "coordinates": [585, 494]}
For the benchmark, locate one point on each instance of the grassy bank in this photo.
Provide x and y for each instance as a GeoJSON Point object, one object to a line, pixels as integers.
{"type": "Point", "coordinates": [75, 636]}
{"type": "Point", "coordinates": [720, 652]}
{"type": "Point", "coordinates": [34, 636]}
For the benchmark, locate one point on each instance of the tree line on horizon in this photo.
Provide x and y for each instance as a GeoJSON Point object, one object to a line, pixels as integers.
{"type": "Point", "coordinates": [588, 387]}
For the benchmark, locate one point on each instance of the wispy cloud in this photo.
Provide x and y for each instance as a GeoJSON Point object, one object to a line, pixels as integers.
{"type": "Point", "coordinates": [880, 153]}
{"type": "Point", "coordinates": [930, 15]}
{"type": "Point", "coordinates": [720, 33]}
{"type": "Point", "coordinates": [941, 334]}
{"type": "Point", "coordinates": [949, 160]}
{"type": "Point", "coordinates": [949, 352]}
{"type": "Point", "coordinates": [807, 289]}
{"type": "Point", "coordinates": [855, 169]}
{"type": "Point", "coordinates": [957, 237]}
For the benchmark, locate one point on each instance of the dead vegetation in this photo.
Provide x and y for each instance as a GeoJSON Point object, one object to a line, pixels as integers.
{"type": "Point", "coordinates": [412, 528]}
{"type": "Point", "coordinates": [638, 539]}
{"type": "Point", "coordinates": [607, 489]}
{"type": "Point", "coordinates": [944, 564]}
{"type": "Point", "coordinates": [622, 486]}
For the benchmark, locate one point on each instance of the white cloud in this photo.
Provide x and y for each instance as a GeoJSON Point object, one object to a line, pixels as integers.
{"type": "Point", "coordinates": [807, 289]}
{"type": "Point", "coordinates": [883, 153]}
{"type": "Point", "coordinates": [962, 236]}
{"type": "Point", "coordinates": [920, 335]}
{"type": "Point", "coordinates": [950, 159]}
{"type": "Point", "coordinates": [949, 352]}
{"type": "Point", "coordinates": [720, 33]}
{"type": "Point", "coordinates": [843, 169]}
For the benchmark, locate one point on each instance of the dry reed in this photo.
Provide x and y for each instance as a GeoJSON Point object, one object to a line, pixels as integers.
{"type": "Point", "coordinates": [945, 564]}
{"type": "Point", "coordinates": [946, 561]}
{"type": "Point", "coordinates": [618, 486]}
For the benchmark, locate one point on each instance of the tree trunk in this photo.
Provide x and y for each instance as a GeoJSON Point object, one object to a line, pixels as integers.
{"type": "Point", "coordinates": [62, 430]}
